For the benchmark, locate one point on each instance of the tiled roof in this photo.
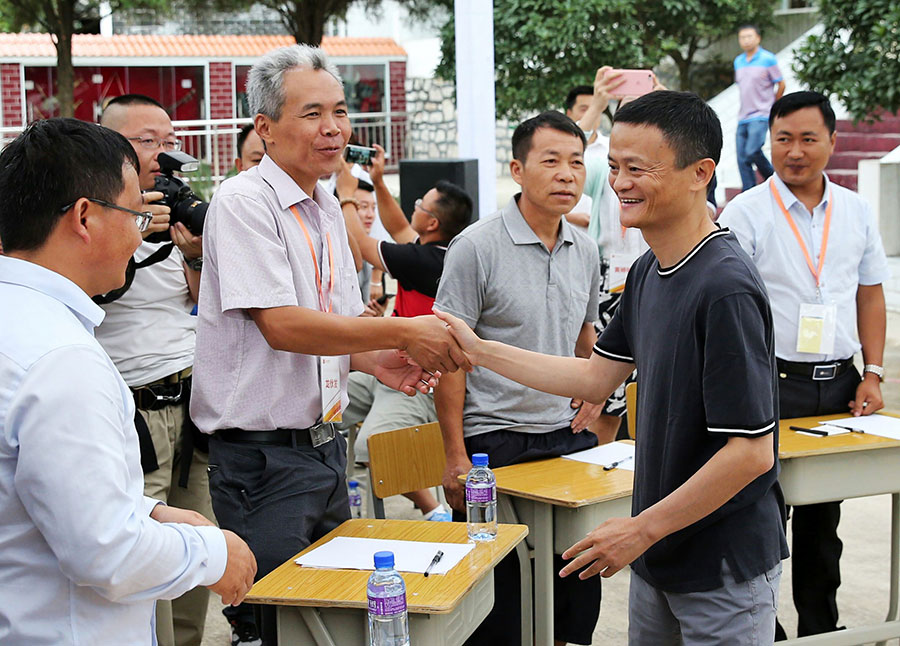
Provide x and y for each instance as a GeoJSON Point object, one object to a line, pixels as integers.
{"type": "Point", "coordinates": [95, 46]}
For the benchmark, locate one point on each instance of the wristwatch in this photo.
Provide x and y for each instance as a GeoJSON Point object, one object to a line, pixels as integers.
{"type": "Point", "coordinates": [876, 370]}
{"type": "Point", "coordinates": [195, 263]}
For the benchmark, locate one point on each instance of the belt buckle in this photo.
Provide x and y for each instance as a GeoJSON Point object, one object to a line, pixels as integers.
{"type": "Point", "coordinates": [321, 434]}
{"type": "Point", "coordinates": [824, 372]}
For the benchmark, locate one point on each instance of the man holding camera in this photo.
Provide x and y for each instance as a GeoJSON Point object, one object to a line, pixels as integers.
{"type": "Point", "coordinates": [157, 366]}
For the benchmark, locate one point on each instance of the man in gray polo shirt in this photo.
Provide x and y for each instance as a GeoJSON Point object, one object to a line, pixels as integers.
{"type": "Point", "coordinates": [528, 278]}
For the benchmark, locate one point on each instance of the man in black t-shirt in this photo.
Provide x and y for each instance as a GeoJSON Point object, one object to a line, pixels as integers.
{"type": "Point", "coordinates": [416, 261]}
{"type": "Point", "coordinates": [706, 536]}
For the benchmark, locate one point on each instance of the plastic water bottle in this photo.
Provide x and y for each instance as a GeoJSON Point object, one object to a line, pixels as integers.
{"type": "Point", "coordinates": [388, 622]}
{"type": "Point", "coordinates": [481, 500]}
{"type": "Point", "coordinates": [355, 500]}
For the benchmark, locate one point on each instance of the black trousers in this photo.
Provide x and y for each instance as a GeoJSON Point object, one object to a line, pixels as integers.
{"type": "Point", "coordinates": [279, 499]}
{"type": "Point", "coordinates": [816, 548]}
{"type": "Point", "coordinates": [576, 602]}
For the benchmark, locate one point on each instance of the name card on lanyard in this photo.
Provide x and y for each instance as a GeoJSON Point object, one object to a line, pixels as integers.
{"type": "Point", "coordinates": [329, 367]}
{"type": "Point", "coordinates": [816, 321]}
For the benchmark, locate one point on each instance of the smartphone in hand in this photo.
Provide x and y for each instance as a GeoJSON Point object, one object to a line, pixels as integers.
{"type": "Point", "coordinates": [361, 155]}
{"type": "Point", "coordinates": [634, 83]}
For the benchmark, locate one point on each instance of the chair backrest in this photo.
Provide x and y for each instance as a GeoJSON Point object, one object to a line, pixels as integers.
{"type": "Point", "coordinates": [631, 407]}
{"type": "Point", "coordinates": [407, 459]}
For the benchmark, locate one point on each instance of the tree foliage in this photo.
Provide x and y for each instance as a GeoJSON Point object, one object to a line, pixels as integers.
{"type": "Point", "coordinates": [306, 19]}
{"type": "Point", "coordinates": [542, 48]}
{"type": "Point", "coordinates": [857, 56]}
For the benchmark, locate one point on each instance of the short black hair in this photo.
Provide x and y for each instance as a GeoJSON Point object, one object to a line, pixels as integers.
{"type": "Point", "coordinates": [455, 207]}
{"type": "Point", "coordinates": [688, 124]}
{"type": "Point", "coordinates": [242, 137]}
{"type": "Point", "coordinates": [51, 164]}
{"type": "Point", "coordinates": [749, 25]}
{"type": "Point", "coordinates": [797, 101]}
{"type": "Point", "coordinates": [577, 91]}
{"type": "Point", "coordinates": [365, 186]}
{"type": "Point", "coordinates": [134, 99]}
{"type": "Point", "coordinates": [524, 132]}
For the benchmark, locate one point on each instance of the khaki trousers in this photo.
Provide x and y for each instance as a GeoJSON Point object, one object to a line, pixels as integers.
{"type": "Point", "coordinates": [179, 622]}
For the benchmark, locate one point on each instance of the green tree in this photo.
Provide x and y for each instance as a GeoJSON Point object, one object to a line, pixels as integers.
{"type": "Point", "coordinates": [62, 19]}
{"type": "Point", "coordinates": [306, 19]}
{"type": "Point", "coordinates": [857, 56]}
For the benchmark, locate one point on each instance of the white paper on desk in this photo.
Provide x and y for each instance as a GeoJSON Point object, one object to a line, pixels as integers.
{"type": "Point", "coordinates": [606, 454]}
{"type": "Point", "coordinates": [881, 425]}
{"type": "Point", "coordinates": [349, 553]}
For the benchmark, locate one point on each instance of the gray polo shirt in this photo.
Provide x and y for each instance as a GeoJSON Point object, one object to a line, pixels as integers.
{"type": "Point", "coordinates": [501, 280]}
{"type": "Point", "coordinates": [255, 255]}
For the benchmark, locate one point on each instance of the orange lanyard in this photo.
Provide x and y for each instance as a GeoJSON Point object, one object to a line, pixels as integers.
{"type": "Point", "coordinates": [325, 300]}
{"type": "Point", "coordinates": [815, 271]}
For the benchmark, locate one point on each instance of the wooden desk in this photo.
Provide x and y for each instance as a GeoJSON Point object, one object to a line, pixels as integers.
{"type": "Point", "coordinates": [852, 465]}
{"type": "Point", "coordinates": [561, 500]}
{"type": "Point", "coordinates": [328, 607]}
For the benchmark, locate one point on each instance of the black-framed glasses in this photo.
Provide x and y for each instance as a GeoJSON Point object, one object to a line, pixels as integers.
{"type": "Point", "coordinates": [152, 143]}
{"type": "Point", "coordinates": [141, 218]}
{"type": "Point", "coordinates": [419, 206]}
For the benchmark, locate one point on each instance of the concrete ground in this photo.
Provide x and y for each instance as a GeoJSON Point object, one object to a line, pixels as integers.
{"type": "Point", "coordinates": [865, 528]}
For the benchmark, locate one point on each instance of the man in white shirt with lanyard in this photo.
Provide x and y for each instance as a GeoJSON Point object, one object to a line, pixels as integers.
{"type": "Point", "coordinates": [279, 324]}
{"type": "Point", "coordinates": [83, 553]}
{"type": "Point", "coordinates": [817, 247]}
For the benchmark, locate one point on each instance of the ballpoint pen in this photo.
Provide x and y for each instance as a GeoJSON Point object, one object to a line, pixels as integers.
{"type": "Point", "coordinates": [437, 558]}
{"type": "Point", "coordinates": [610, 467]}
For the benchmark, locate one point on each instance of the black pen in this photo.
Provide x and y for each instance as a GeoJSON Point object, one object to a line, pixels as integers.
{"type": "Point", "coordinates": [610, 467]}
{"type": "Point", "coordinates": [437, 559]}
{"type": "Point", "coordinates": [814, 431]}
{"type": "Point", "coordinates": [846, 428]}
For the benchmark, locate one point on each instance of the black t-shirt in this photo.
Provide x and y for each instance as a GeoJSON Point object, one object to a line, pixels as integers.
{"type": "Point", "coordinates": [702, 338]}
{"type": "Point", "coordinates": [417, 269]}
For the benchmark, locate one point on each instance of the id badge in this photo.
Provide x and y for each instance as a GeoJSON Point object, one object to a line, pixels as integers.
{"type": "Point", "coordinates": [815, 330]}
{"type": "Point", "coordinates": [330, 377]}
{"type": "Point", "coordinates": [619, 265]}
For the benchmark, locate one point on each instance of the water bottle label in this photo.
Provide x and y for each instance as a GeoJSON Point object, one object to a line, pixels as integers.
{"type": "Point", "coordinates": [480, 494]}
{"type": "Point", "coordinates": [387, 605]}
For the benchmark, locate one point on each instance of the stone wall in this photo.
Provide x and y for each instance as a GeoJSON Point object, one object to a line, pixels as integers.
{"type": "Point", "coordinates": [431, 109]}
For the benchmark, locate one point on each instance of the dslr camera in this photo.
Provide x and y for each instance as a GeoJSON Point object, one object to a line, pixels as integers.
{"type": "Point", "coordinates": [186, 206]}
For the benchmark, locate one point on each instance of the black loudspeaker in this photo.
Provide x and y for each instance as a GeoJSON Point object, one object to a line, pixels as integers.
{"type": "Point", "coordinates": [418, 176]}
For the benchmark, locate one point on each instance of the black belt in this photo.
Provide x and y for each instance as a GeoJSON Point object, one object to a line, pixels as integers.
{"type": "Point", "coordinates": [168, 391]}
{"type": "Point", "coordinates": [825, 371]}
{"type": "Point", "coordinates": [280, 436]}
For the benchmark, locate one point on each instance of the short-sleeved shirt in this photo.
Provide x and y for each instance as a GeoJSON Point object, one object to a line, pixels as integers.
{"type": "Point", "coordinates": [506, 285]}
{"type": "Point", "coordinates": [755, 79]}
{"type": "Point", "coordinates": [255, 255]}
{"type": "Point", "coordinates": [417, 269]}
{"type": "Point", "coordinates": [701, 335]}
{"type": "Point", "coordinates": [854, 256]}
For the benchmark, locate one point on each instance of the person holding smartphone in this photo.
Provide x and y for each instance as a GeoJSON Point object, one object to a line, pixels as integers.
{"type": "Point", "coordinates": [416, 261]}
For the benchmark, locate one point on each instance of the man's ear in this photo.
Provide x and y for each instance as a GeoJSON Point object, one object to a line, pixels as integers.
{"type": "Point", "coordinates": [704, 171]}
{"type": "Point", "coordinates": [263, 123]}
{"type": "Point", "coordinates": [515, 171]}
{"type": "Point", "coordinates": [79, 220]}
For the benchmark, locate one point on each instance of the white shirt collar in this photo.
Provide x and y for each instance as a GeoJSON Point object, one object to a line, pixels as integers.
{"type": "Point", "coordinates": [28, 274]}
{"type": "Point", "coordinates": [788, 197]}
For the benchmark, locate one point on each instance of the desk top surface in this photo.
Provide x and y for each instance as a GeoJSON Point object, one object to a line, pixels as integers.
{"type": "Point", "coordinates": [792, 444]}
{"type": "Point", "coordinates": [568, 483]}
{"type": "Point", "coordinates": [292, 585]}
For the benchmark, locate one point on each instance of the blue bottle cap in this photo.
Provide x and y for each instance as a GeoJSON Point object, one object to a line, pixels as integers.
{"type": "Point", "coordinates": [384, 560]}
{"type": "Point", "coordinates": [353, 484]}
{"type": "Point", "coordinates": [479, 459]}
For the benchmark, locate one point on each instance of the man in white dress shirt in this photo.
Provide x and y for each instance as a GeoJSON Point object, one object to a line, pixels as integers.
{"type": "Point", "coordinates": [817, 247]}
{"type": "Point", "coordinates": [83, 553]}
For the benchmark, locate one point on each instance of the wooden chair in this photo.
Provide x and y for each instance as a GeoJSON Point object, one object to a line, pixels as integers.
{"type": "Point", "coordinates": [631, 407]}
{"type": "Point", "coordinates": [404, 460]}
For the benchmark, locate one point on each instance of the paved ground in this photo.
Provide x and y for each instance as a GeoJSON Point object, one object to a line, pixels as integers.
{"type": "Point", "coordinates": [865, 528]}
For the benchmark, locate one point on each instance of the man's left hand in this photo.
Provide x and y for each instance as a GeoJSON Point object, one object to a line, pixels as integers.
{"type": "Point", "coordinates": [167, 514]}
{"type": "Point", "coordinates": [396, 371]}
{"type": "Point", "coordinates": [868, 396]}
{"type": "Point", "coordinates": [610, 547]}
{"type": "Point", "coordinates": [587, 414]}
{"type": "Point", "coordinates": [191, 246]}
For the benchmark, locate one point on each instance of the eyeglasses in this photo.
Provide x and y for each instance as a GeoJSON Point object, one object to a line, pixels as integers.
{"type": "Point", "coordinates": [422, 208]}
{"type": "Point", "coordinates": [141, 219]}
{"type": "Point", "coordinates": [152, 143]}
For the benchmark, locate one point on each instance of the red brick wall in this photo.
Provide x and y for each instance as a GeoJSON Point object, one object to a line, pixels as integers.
{"type": "Point", "coordinates": [11, 94]}
{"type": "Point", "coordinates": [221, 106]}
{"type": "Point", "coordinates": [397, 71]}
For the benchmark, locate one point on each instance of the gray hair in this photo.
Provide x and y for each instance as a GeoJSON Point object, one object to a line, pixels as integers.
{"type": "Point", "coordinates": [265, 82]}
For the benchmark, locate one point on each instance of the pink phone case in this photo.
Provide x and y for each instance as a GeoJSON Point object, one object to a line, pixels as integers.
{"type": "Point", "coordinates": [636, 82]}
